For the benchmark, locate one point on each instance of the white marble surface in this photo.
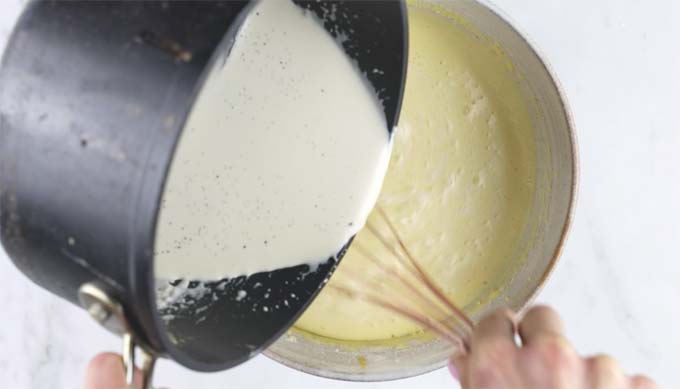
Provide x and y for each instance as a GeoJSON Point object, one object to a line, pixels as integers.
{"type": "Point", "coordinates": [618, 284]}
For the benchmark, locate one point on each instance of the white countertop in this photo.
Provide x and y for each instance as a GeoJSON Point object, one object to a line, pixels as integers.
{"type": "Point", "coordinates": [618, 283]}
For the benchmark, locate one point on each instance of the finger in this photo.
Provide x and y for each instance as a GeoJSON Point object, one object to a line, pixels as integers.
{"type": "Point", "coordinates": [539, 322]}
{"type": "Point", "coordinates": [642, 382]}
{"type": "Point", "coordinates": [106, 371]}
{"type": "Point", "coordinates": [492, 360]}
{"type": "Point", "coordinates": [458, 369]}
{"type": "Point", "coordinates": [499, 325]}
{"type": "Point", "coordinates": [603, 372]}
{"type": "Point", "coordinates": [550, 362]}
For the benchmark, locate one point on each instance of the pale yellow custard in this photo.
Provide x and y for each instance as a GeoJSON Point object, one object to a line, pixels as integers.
{"type": "Point", "coordinates": [460, 182]}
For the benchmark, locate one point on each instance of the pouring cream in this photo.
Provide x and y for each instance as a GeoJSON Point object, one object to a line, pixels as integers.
{"type": "Point", "coordinates": [281, 159]}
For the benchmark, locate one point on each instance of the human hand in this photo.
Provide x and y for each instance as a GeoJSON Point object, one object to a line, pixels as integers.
{"type": "Point", "coordinates": [106, 371]}
{"type": "Point", "coordinates": [545, 359]}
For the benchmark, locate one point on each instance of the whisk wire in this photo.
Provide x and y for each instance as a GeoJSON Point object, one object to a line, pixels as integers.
{"type": "Point", "coordinates": [459, 313]}
{"type": "Point", "coordinates": [421, 302]}
{"type": "Point", "coordinates": [437, 327]}
{"type": "Point", "coordinates": [394, 274]}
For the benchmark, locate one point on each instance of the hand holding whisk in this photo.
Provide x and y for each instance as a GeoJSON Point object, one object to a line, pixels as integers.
{"type": "Point", "coordinates": [408, 291]}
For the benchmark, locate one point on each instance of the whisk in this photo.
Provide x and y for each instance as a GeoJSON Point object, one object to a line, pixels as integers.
{"type": "Point", "coordinates": [408, 291]}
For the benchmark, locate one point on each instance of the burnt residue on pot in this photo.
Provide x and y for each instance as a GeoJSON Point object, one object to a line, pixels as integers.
{"type": "Point", "coordinates": [169, 46]}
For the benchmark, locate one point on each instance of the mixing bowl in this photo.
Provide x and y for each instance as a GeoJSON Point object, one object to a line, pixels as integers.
{"type": "Point", "coordinates": [540, 244]}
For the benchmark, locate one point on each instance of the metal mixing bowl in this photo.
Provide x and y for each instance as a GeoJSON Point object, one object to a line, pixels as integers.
{"type": "Point", "coordinates": [543, 239]}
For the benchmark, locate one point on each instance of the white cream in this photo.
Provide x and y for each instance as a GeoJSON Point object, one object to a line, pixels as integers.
{"type": "Point", "coordinates": [281, 159]}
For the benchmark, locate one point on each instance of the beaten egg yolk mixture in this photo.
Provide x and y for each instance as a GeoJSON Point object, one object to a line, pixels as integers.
{"type": "Point", "coordinates": [459, 186]}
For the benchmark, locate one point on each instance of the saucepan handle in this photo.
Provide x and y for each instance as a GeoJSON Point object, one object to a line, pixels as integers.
{"type": "Point", "coordinates": [108, 312]}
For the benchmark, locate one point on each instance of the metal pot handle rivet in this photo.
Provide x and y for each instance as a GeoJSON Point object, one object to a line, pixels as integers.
{"type": "Point", "coordinates": [108, 312]}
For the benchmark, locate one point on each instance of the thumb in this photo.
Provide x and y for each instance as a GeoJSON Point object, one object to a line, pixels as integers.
{"type": "Point", "coordinates": [458, 367]}
{"type": "Point", "coordinates": [106, 371]}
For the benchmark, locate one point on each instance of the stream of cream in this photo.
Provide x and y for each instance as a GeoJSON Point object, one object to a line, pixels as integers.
{"type": "Point", "coordinates": [281, 159]}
